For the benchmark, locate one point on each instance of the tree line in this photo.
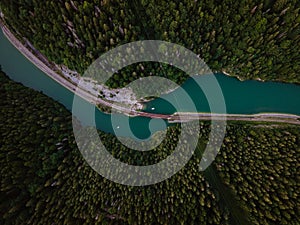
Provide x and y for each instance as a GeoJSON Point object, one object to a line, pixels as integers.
{"type": "Point", "coordinates": [45, 179]}
{"type": "Point", "coordinates": [251, 39]}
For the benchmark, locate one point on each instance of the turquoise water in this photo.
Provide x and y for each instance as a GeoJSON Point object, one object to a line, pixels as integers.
{"type": "Point", "coordinates": [241, 97]}
{"type": "Point", "coordinates": [20, 69]}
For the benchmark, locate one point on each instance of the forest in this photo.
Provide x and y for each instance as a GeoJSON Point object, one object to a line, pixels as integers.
{"type": "Point", "coordinates": [255, 178]}
{"type": "Point", "coordinates": [45, 180]}
{"type": "Point", "coordinates": [251, 39]}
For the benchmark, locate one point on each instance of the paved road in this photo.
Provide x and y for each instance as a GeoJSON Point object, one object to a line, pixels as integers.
{"type": "Point", "coordinates": [41, 62]}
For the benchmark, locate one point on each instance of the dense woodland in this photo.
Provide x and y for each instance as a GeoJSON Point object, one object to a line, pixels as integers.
{"type": "Point", "coordinates": [261, 165]}
{"type": "Point", "coordinates": [255, 178]}
{"type": "Point", "coordinates": [251, 39]}
{"type": "Point", "coordinates": [45, 180]}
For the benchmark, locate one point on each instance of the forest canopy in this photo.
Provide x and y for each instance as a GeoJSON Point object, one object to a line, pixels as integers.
{"type": "Point", "coordinates": [250, 39]}
{"type": "Point", "coordinates": [45, 179]}
{"type": "Point", "coordinates": [254, 180]}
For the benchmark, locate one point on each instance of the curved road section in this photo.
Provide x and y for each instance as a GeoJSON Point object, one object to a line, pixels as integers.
{"type": "Point", "coordinates": [44, 65]}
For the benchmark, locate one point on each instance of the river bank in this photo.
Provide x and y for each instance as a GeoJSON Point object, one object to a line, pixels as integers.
{"type": "Point", "coordinates": [93, 97]}
{"type": "Point", "coordinates": [88, 89]}
{"type": "Point", "coordinates": [68, 78]}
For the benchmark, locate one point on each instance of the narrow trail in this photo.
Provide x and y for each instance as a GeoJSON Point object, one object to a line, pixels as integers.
{"type": "Point", "coordinates": [41, 62]}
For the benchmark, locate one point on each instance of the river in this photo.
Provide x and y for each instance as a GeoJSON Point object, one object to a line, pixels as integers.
{"type": "Point", "coordinates": [245, 97]}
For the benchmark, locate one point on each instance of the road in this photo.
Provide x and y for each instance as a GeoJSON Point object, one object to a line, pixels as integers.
{"type": "Point", "coordinates": [41, 62]}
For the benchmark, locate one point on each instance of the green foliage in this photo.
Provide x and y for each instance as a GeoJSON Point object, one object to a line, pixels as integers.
{"type": "Point", "coordinates": [72, 32]}
{"type": "Point", "coordinates": [250, 39]}
{"type": "Point", "coordinates": [145, 69]}
{"type": "Point", "coordinates": [259, 164]}
{"type": "Point", "coordinates": [44, 178]}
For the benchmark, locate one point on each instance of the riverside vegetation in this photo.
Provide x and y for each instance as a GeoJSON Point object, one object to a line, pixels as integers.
{"type": "Point", "coordinates": [44, 178]}
{"type": "Point", "coordinates": [252, 39]}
